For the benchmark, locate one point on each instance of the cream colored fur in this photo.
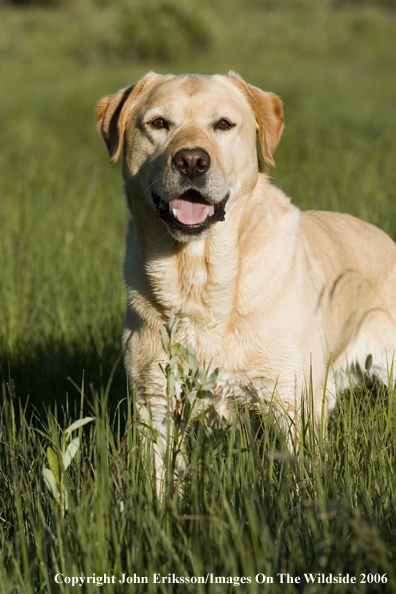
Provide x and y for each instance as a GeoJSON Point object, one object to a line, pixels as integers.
{"type": "Point", "coordinates": [271, 295]}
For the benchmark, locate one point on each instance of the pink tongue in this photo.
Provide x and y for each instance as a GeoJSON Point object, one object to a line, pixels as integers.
{"type": "Point", "coordinates": [190, 213]}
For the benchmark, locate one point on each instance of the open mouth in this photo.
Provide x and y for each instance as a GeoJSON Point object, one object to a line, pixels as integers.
{"type": "Point", "coordinates": [190, 212]}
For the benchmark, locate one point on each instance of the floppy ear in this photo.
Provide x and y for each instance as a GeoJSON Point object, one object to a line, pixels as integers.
{"type": "Point", "coordinates": [112, 113]}
{"type": "Point", "coordinates": [268, 111]}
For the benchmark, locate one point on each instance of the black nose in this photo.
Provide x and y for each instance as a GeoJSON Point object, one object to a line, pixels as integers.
{"type": "Point", "coordinates": [191, 162]}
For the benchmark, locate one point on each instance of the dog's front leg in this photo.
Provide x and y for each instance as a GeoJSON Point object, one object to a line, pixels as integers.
{"type": "Point", "coordinates": [156, 433]}
{"type": "Point", "coordinates": [164, 430]}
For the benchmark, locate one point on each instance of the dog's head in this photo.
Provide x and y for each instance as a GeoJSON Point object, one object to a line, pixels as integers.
{"type": "Point", "coordinates": [189, 145]}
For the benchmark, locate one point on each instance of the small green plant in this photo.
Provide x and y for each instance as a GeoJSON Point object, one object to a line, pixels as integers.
{"type": "Point", "coordinates": [186, 387]}
{"type": "Point", "coordinates": [54, 475]}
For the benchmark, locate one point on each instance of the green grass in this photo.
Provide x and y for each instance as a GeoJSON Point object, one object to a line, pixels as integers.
{"type": "Point", "coordinates": [248, 506]}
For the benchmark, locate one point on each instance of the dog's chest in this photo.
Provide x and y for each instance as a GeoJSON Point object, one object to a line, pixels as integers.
{"type": "Point", "coordinates": [198, 288]}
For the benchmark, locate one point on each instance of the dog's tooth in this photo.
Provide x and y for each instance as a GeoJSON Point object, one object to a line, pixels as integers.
{"type": "Point", "coordinates": [174, 212]}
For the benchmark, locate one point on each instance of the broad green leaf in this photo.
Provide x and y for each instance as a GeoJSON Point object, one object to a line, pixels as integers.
{"type": "Point", "coordinates": [209, 381]}
{"type": "Point", "coordinates": [175, 349]}
{"type": "Point", "coordinates": [145, 415]}
{"type": "Point", "coordinates": [189, 355]}
{"type": "Point", "coordinates": [51, 483]}
{"type": "Point", "coordinates": [173, 361]}
{"type": "Point", "coordinates": [170, 385]}
{"type": "Point", "coordinates": [53, 463]}
{"type": "Point", "coordinates": [173, 322]}
{"type": "Point", "coordinates": [71, 451]}
{"type": "Point", "coordinates": [164, 340]}
{"type": "Point", "coordinates": [78, 424]}
{"type": "Point", "coordinates": [195, 375]}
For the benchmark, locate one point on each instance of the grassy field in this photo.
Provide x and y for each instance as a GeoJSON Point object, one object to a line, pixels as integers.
{"type": "Point", "coordinates": [249, 508]}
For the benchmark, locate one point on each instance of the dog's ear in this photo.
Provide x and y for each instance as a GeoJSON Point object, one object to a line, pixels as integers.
{"type": "Point", "coordinates": [268, 111]}
{"type": "Point", "coordinates": [113, 111]}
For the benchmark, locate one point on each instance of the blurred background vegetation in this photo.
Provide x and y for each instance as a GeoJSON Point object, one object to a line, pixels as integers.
{"type": "Point", "coordinates": [62, 213]}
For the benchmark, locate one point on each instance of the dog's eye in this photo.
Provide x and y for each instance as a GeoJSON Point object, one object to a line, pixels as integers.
{"type": "Point", "coordinates": [159, 123]}
{"type": "Point", "coordinates": [223, 125]}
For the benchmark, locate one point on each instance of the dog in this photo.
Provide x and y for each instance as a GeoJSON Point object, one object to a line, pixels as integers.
{"type": "Point", "coordinates": [285, 303]}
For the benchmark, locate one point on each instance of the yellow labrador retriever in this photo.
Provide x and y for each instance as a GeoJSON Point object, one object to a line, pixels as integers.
{"type": "Point", "coordinates": [283, 302]}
